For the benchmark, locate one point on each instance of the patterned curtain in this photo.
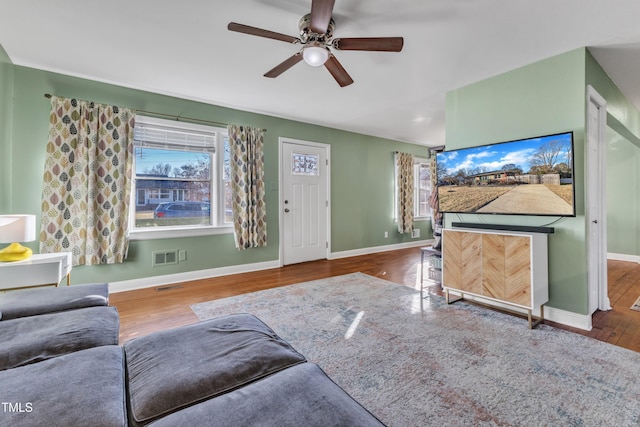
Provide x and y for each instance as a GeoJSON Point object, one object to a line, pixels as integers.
{"type": "Point", "coordinates": [433, 200]}
{"type": "Point", "coordinates": [404, 167]}
{"type": "Point", "coordinates": [247, 182]}
{"type": "Point", "coordinates": [436, 216]}
{"type": "Point", "coordinates": [87, 181]}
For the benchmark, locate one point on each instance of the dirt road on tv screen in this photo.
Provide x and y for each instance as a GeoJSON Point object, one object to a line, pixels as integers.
{"type": "Point", "coordinates": [530, 199]}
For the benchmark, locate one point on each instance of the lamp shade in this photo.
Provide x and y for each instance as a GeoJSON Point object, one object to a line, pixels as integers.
{"type": "Point", "coordinates": [315, 55]}
{"type": "Point", "coordinates": [17, 228]}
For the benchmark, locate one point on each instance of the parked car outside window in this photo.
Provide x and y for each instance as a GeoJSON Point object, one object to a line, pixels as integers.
{"type": "Point", "coordinates": [182, 209]}
{"type": "Point", "coordinates": [175, 213]}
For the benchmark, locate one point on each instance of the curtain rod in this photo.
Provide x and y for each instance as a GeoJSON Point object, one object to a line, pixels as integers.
{"type": "Point", "coordinates": [177, 118]}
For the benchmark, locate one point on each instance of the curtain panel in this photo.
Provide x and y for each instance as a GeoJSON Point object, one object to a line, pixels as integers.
{"type": "Point", "coordinates": [436, 216]}
{"type": "Point", "coordinates": [87, 181]}
{"type": "Point", "coordinates": [247, 186]}
{"type": "Point", "coordinates": [433, 200]}
{"type": "Point", "coordinates": [404, 167]}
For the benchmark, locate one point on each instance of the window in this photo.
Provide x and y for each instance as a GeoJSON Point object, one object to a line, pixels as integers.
{"type": "Point", "coordinates": [182, 179]}
{"type": "Point", "coordinates": [421, 188]}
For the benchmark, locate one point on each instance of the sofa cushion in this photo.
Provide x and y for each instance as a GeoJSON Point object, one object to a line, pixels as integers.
{"type": "Point", "coordinates": [302, 395]}
{"type": "Point", "coordinates": [172, 369]}
{"type": "Point", "coordinates": [29, 302]}
{"type": "Point", "coordinates": [32, 339]}
{"type": "Point", "coordinates": [85, 388]}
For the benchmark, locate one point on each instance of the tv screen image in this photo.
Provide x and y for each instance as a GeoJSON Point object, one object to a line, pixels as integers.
{"type": "Point", "coordinates": [531, 176]}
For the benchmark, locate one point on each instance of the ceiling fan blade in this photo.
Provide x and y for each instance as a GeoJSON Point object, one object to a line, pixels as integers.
{"type": "Point", "coordinates": [254, 31]}
{"type": "Point", "coordinates": [321, 11]}
{"type": "Point", "coordinates": [284, 65]}
{"type": "Point", "coordinates": [338, 72]}
{"type": "Point", "coordinates": [381, 44]}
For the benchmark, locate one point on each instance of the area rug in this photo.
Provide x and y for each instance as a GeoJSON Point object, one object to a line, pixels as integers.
{"type": "Point", "coordinates": [636, 305]}
{"type": "Point", "coordinates": [421, 362]}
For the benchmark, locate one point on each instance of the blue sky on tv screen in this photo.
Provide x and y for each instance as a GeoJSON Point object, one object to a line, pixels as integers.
{"type": "Point", "coordinates": [494, 157]}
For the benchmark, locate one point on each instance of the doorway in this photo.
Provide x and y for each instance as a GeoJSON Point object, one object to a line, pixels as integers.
{"type": "Point", "coordinates": [596, 206]}
{"type": "Point", "coordinates": [304, 201]}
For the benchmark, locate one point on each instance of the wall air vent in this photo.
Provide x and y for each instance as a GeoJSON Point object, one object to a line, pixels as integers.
{"type": "Point", "coordinates": [164, 257]}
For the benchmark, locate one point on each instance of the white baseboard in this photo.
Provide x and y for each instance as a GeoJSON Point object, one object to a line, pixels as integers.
{"type": "Point", "coordinates": [376, 249]}
{"type": "Point", "coordinates": [150, 282]}
{"type": "Point", "coordinates": [624, 257]}
{"type": "Point", "coordinates": [153, 281]}
{"type": "Point", "coordinates": [568, 318]}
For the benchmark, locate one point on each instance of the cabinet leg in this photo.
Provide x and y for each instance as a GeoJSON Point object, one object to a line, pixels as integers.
{"type": "Point", "coordinates": [532, 323]}
{"type": "Point", "coordinates": [448, 297]}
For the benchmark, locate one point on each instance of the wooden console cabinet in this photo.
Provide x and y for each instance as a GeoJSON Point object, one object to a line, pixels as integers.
{"type": "Point", "coordinates": [504, 267]}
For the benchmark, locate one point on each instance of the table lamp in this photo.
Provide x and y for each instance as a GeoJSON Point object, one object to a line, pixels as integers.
{"type": "Point", "coordinates": [15, 229]}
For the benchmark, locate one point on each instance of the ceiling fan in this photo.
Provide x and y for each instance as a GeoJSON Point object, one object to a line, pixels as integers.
{"type": "Point", "coordinates": [316, 37]}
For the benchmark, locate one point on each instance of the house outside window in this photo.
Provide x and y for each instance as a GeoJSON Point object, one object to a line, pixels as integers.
{"type": "Point", "coordinates": [421, 188]}
{"type": "Point", "coordinates": [182, 180]}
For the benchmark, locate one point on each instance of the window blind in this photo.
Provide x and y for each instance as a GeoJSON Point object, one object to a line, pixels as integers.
{"type": "Point", "coordinates": [157, 136]}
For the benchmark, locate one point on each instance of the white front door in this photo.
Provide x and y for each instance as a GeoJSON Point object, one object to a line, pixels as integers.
{"type": "Point", "coordinates": [304, 201]}
{"type": "Point", "coordinates": [596, 202]}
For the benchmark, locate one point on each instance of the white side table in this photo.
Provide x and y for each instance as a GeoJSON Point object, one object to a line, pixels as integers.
{"type": "Point", "coordinates": [39, 270]}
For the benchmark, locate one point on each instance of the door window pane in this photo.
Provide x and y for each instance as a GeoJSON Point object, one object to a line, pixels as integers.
{"type": "Point", "coordinates": [305, 164]}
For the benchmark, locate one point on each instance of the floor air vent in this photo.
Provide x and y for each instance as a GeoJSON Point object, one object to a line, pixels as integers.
{"type": "Point", "coordinates": [166, 288]}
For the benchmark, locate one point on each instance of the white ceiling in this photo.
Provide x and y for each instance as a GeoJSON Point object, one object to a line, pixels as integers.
{"type": "Point", "coordinates": [183, 48]}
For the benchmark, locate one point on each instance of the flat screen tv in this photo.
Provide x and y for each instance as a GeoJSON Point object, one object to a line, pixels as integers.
{"type": "Point", "coordinates": [531, 176]}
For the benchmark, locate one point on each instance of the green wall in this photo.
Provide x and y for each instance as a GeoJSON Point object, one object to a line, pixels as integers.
{"type": "Point", "coordinates": [623, 163]}
{"type": "Point", "coordinates": [361, 190]}
{"type": "Point", "coordinates": [621, 115]}
{"type": "Point", "coordinates": [623, 195]}
{"type": "Point", "coordinates": [6, 96]}
{"type": "Point", "coordinates": [542, 98]}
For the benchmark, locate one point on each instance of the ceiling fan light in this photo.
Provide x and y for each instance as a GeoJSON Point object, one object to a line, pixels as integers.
{"type": "Point", "coordinates": [315, 55]}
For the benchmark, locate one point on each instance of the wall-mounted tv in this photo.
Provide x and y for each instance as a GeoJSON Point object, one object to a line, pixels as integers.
{"type": "Point", "coordinates": [531, 176]}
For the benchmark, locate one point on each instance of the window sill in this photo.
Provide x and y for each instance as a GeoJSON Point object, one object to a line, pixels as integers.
{"type": "Point", "coordinates": [171, 233]}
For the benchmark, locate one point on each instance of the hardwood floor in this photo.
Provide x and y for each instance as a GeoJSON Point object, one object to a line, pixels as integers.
{"type": "Point", "coordinates": [147, 310]}
{"type": "Point", "coordinates": [621, 325]}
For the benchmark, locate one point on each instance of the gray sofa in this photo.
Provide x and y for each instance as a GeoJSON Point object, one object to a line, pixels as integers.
{"type": "Point", "coordinates": [229, 371]}
{"type": "Point", "coordinates": [38, 324]}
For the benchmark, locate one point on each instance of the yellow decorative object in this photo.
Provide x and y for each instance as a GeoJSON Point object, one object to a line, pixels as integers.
{"type": "Point", "coordinates": [15, 252]}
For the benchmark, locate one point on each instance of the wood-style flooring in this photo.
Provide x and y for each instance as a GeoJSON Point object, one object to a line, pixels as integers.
{"type": "Point", "coordinates": [620, 325]}
{"type": "Point", "coordinates": [147, 310]}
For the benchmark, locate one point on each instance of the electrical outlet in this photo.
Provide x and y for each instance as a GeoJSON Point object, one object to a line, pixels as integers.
{"type": "Point", "coordinates": [182, 255]}
{"type": "Point", "coordinates": [386, 234]}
